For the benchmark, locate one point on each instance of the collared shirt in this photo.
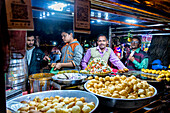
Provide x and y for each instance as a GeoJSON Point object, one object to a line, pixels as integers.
{"type": "Point", "coordinates": [72, 52]}
{"type": "Point", "coordinates": [112, 58]}
{"type": "Point", "coordinates": [29, 55]}
{"type": "Point", "coordinates": [143, 64]}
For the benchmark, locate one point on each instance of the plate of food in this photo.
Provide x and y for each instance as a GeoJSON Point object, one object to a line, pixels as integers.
{"type": "Point", "coordinates": [121, 91]}
{"type": "Point", "coordinates": [56, 101]}
{"type": "Point", "coordinates": [69, 78]}
{"type": "Point", "coordinates": [97, 67]}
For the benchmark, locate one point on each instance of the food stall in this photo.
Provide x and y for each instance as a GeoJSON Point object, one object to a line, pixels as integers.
{"type": "Point", "coordinates": [89, 90]}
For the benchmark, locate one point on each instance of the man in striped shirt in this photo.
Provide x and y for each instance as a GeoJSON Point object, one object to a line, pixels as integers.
{"type": "Point", "coordinates": [136, 58]}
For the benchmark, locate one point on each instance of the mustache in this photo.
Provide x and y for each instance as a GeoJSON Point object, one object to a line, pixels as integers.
{"type": "Point", "coordinates": [101, 44]}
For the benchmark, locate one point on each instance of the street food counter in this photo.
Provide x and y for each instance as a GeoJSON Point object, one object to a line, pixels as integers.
{"type": "Point", "coordinates": [100, 92]}
{"type": "Point", "coordinates": [157, 100]}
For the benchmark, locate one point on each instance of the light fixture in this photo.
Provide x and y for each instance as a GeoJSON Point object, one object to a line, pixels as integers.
{"type": "Point", "coordinates": [92, 21]}
{"type": "Point", "coordinates": [52, 13]}
{"type": "Point", "coordinates": [99, 15]}
{"type": "Point", "coordinates": [48, 14]}
{"type": "Point", "coordinates": [57, 6]}
{"type": "Point", "coordinates": [40, 17]}
{"type": "Point", "coordinates": [54, 43]}
{"type": "Point", "coordinates": [98, 20]}
{"type": "Point", "coordinates": [43, 13]}
{"type": "Point", "coordinates": [106, 16]}
{"type": "Point", "coordinates": [131, 21]}
{"type": "Point", "coordinates": [92, 14]}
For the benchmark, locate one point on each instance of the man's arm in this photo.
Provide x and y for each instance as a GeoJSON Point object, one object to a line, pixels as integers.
{"type": "Point", "coordinates": [116, 61]}
{"type": "Point", "coordinates": [143, 64]}
{"type": "Point", "coordinates": [86, 59]}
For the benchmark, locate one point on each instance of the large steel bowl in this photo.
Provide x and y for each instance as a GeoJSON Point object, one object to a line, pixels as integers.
{"type": "Point", "coordinates": [122, 103]}
{"type": "Point", "coordinates": [14, 104]}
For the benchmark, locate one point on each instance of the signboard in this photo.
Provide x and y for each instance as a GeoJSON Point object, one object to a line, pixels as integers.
{"type": "Point", "coordinates": [82, 16]}
{"type": "Point", "coordinates": [146, 40]}
{"type": "Point", "coordinates": [19, 14]}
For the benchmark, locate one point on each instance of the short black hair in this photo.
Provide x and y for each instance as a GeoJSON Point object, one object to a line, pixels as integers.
{"type": "Point", "coordinates": [69, 31]}
{"type": "Point", "coordinates": [101, 35]}
{"type": "Point", "coordinates": [138, 38]}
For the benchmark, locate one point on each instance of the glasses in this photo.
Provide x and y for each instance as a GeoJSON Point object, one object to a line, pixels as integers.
{"type": "Point", "coordinates": [136, 42]}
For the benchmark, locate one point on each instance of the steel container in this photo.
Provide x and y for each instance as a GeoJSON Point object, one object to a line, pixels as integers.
{"type": "Point", "coordinates": [40, 82]}
{"type": "Point", "coordinates": [69, 82]}
{"type": "Point", "coordinates": [122, 103]}
{"type": "Point", "coordinates": [17, 73]}
{"type": "Point", "coordinates": [15, 104]}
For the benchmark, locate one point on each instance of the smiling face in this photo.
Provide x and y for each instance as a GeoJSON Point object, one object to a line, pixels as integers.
{"type": "Point", "coordinates": [67, 38]}
{"type": "Point", "coordinates": [102, 42]}
{"type": "Point", "coordinates": [30, 41]}
{"type": "Point", "coordinates": [135, 43]}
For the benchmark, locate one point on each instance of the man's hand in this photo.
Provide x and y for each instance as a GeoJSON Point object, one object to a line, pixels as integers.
{"type": "Point", "coordinates": [46, 58]}
{"type": "Point", "coordinates": [57, 66]}
{"type": "Point", "coordinates": [131, 58]}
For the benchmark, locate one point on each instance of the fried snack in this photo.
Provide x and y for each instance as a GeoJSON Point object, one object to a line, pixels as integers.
{"type": "Point", "coordinates": [57, 104]}
{"type": "Point", "coordinates": [120, 87]}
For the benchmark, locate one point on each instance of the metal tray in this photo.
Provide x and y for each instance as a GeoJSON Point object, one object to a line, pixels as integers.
{"type": "Point", "coordinates": [70, 81]}
{"type": "Point", "coordinates": [122, 103]}
{"type": "Point", "coordinates": [15, 104]}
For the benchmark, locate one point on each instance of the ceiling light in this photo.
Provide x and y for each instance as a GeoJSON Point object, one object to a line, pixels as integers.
{"type": "Point", "coordinates": [106, 16]}
{"type": "Point", "coordinates": [52, 13]}
{"type": "Point", "coordinates": [48, 14]}
{"type": "Point", "coordinates": [98, 20]}
{"type": "Point", "coordinates": [131, 21]}
{"type": "Point", "coordinates": [92, 13]}
{"type": "Point", "coordinates": [92, 21]}
{"type": "Point", "coordinates": [57, 6]}
{"type": "Point", "coordinates": [99, 15]}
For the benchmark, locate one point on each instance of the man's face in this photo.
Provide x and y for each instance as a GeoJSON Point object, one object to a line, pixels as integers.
{"type": "Point", "coordinates": [30, 41]}
{"type": "Point", "coordinates": [135, 44]}
{"type": "Point", "coordinates": [102, 42]}
{"type": "Point", "coordinates": [66, 37]}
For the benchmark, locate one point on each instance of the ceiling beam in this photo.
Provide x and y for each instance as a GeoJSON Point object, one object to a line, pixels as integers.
{"type": "Point", "coordinates": [110, 5]}
{"type": "Point", "coordinates": [120, 22]}
{"type": "Point", "coordinates": [112, 11]}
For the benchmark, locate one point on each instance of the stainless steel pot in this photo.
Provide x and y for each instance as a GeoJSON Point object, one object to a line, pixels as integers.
{"type": "Point", "coordinates": [40, 82]}
{"type": "Point", "coordinates": [122, 103]}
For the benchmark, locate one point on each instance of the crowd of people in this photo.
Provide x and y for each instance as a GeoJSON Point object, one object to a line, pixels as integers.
{"type": "Point", "coordinates": [72, 57]}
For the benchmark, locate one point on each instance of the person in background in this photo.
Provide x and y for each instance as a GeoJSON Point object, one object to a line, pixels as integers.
{"type": "Point", "coordinates": [117, 51]}
{"type": "Point", "coordinates": [55, 55]}
{"type": "Point", "coordinates": [136, 58]}
{"type": "Point", "coordinates": [34, 56]}
{"type": "Point", "coordinates": [71, 53]}
{"type": "Point", "coordinates": [103, 52]}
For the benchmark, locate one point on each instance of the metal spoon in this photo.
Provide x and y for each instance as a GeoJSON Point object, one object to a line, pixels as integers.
{"type": "Point", "coordinates": [66, 75]}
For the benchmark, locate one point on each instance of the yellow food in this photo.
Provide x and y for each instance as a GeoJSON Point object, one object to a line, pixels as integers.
{"type": "Point", "coordinates": [120, 87]}
{"type": "Point", "coordinates": [57, 104]}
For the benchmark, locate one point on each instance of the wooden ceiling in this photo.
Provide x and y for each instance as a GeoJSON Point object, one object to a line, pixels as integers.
{"type": "Point", "coordinates": [150, 17]}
